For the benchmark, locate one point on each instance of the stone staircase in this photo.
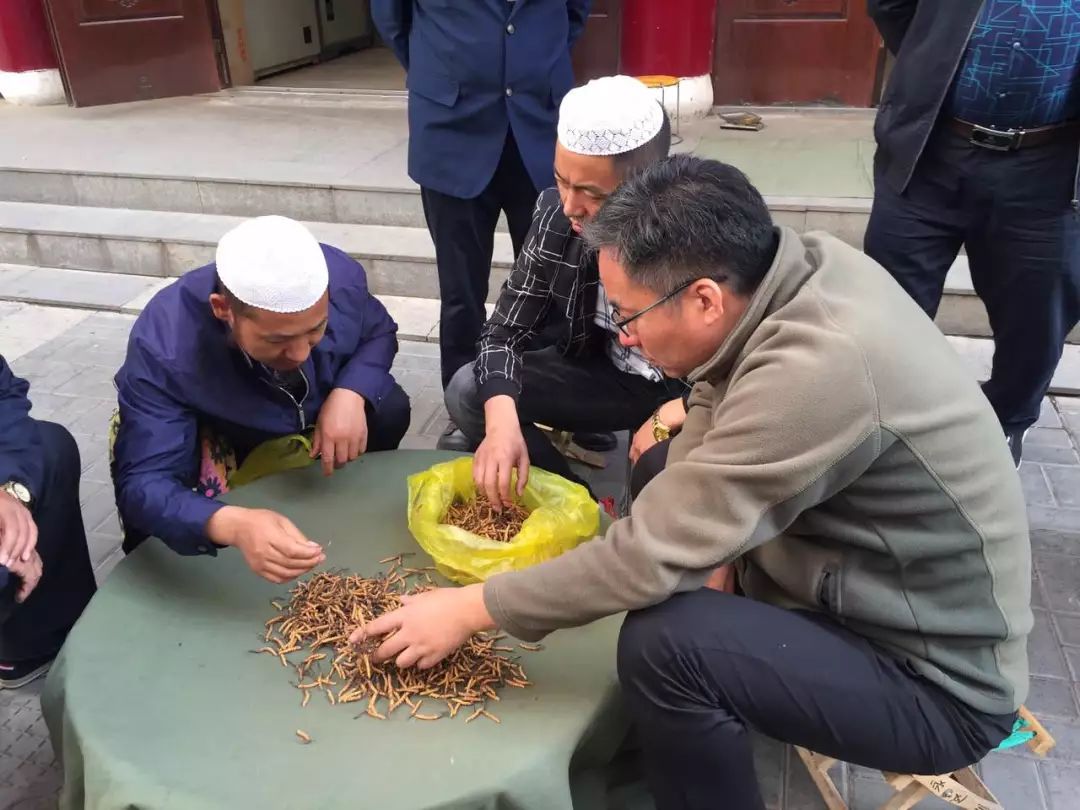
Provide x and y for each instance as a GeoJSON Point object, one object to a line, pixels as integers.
{"type": "Point", "coordinates": [135, 231]}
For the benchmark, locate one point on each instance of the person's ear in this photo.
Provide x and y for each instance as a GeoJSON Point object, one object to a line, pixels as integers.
{"type": "Point", "coordinates": [221, 308]}
{"type": "Point", "coordinates": [711, 299]}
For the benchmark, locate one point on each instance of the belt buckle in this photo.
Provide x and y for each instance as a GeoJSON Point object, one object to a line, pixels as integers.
{"type": "Point", "coordinates": [996, 139]}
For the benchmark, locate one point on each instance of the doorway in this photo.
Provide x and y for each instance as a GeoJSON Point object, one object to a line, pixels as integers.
{"type": "Point", "coordinates": [815, 52]}
{"type": "Point", "coordinates": [307, 45]}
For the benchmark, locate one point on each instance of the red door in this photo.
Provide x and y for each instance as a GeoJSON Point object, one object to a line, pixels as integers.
{"type": "Point", "coordinates": [795, 51]}
{"type": "Point", "coordinates": [128, 50]}
{"type": "Point", "coordinates": [596, 53]}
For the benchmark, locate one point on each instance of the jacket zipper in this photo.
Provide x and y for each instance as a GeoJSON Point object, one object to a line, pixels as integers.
{"type": "Point", "coordinates": [292, 399]}
{"type": "Point", "coordinates": [941, 100]}
{"type": "Point", "coordinates": [299, 405]}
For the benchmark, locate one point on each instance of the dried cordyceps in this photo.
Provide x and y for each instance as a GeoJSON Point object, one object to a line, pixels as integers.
{"type": "Point", "coordinates": [478, 516]}
{"type": "Point", "coordinates": [324, 609]}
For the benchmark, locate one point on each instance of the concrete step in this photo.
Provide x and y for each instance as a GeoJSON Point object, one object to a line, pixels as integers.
{"type": "Point", "coordinates": [398, 260]}
{"type": "Point", "coordinates": [978, 353]}
{"type": "Point", "coordinates": [391, 204]}
{"type": "Point", "coordinates": [396, 204]}
{"type": "Point", "coordinates": [962, 312]}
{"type": "Point", "coordinates": [417, 318]}
{"type": "Point", "coordinates": [310, 97]}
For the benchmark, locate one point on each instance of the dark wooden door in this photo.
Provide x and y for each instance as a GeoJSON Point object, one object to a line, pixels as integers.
{"type": "Point", "coordinates": [795, 52]}
{"type": "Point", "coordinates": [127, 50]}
{"type": "Point", "coordinates": [596, 53]}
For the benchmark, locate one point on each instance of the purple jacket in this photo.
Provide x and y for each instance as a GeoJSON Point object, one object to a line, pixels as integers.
{"type": "Point", "coordinates": [183, 372]}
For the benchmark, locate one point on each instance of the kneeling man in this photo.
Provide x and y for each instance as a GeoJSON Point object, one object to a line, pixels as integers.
{"type": "Point", "coordinates": [836, 450]}
{"type": "Point", "coordinates": [279, 336]}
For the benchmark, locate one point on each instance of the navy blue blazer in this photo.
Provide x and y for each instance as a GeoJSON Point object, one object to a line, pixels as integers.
{"type": "Point", "coordinates": [476, 67]}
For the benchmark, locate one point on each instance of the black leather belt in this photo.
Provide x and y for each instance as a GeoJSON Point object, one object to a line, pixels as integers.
{"type": "Point", "coordinates": [1008, 140]}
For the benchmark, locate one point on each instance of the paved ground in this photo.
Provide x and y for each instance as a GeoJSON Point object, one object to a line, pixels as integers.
{"type": "Point", "coordinates": [70, 356]}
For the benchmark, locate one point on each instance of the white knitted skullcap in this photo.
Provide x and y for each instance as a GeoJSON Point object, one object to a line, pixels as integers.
{"type": "Point", "coordinates": [273, 263]}
{"type": "Point", "coordinates": [609, 116]}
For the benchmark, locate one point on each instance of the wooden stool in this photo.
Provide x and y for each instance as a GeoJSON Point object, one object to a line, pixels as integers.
{"type": "Point", "coordinates": [962, 788]}
{"type": "Point", "coordinates": [662, 83]}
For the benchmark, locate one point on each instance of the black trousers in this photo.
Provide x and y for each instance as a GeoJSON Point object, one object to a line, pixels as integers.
{"type": "Point", "coordinates": [649, 465]}
{"type": "Point", "coordinates": [388, 425]}
{"type": "Point", "coordinates": [703, 668]}
{"type": "Point", "coordinates": [37, 628]}
{"type": "Point", "coordinates": [576, 394]}
{"type": "Point", "coordinates": [464, 235]}
{"type": "Point", "coordinates": [1012, 212]}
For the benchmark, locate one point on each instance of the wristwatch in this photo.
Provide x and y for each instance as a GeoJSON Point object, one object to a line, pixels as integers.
{"type": "Point", "coordinates": [660, 431]}
{"type": "Point", "coordinates": [18, 492]}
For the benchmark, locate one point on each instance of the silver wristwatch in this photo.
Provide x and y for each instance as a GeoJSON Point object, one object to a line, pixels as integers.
{"type": "Point", "coordinates": [18, 492]}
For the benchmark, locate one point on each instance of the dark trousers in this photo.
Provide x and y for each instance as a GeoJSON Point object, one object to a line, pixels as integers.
{"type": "Point", "coordinates": [1012, 212]}
{"type": "Point", "coordinates": [703, 668]}
{"type": "Point", "coordinates": [649, 465]}
{"type": "Point", "coordinates": [464, 235]}
{"type": "Point", "coordinates": [37, 628]}
{"type": "Point", "coordinates": [575, 394]}
{"type": "Point", "coordinates": [388, 425]}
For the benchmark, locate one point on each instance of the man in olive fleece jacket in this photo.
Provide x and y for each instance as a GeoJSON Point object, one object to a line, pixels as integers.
{"type": "Point", "coordinates": [839, 452]}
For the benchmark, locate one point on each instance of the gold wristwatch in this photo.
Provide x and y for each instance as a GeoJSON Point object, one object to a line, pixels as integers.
{"type": "Point", "coordinates": [660, 431]}
{"type": "Point", "coordinates": [18, 492]}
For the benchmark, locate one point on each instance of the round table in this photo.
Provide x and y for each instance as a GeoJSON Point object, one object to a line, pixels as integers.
{"type": "Point", "coordinates": [155, 701]}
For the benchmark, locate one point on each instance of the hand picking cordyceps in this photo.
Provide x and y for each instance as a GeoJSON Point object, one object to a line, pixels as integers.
{"type": "Point", "coordinates": [323, 610]}
{"type": "Point", "coordinates": [479, 517]}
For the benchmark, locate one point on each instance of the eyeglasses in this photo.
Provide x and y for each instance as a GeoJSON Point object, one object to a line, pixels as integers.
{"type": "Point", "coordinates": [624, 322]}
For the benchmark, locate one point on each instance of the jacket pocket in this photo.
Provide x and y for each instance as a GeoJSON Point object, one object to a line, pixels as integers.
{"type": "Point", "coordinates": [828, 589]}
{"type": "Point", "coordinates": [433, 86]}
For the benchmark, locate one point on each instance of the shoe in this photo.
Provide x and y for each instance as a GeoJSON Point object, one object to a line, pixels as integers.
{"type": "Point", "coordinates": [453, 439]}
{"type": "Point", "coordinates": [596, 442]}
{"type": "Point", "coordinates": [19, 673]}
{"type": "Point", "coordinates": [1015, 441]}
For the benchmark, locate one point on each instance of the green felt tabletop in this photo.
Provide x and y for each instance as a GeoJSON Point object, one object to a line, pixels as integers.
{"type": "Point", "coordinates": [155, 701]}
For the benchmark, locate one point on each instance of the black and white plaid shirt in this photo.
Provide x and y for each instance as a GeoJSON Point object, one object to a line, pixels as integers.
{"type": "Point", "coordinates": [554, 271]}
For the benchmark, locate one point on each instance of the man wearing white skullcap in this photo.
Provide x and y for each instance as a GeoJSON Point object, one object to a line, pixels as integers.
{"type": "Point", "coordinates": [587, 381]}
{"type": "Point", "coordinates": [279, 336]}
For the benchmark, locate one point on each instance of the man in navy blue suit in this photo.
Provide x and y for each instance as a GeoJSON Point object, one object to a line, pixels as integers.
{"type": "Point", "coordinates": [45, 575]}
{"type": "Point", "coordinates": [485, 80]}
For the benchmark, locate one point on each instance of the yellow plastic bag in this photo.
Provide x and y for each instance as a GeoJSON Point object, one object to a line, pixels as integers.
{"type": "Point", "coordinates": [273, 456]}
{"type": "Point", "coordinates": [561, 516]}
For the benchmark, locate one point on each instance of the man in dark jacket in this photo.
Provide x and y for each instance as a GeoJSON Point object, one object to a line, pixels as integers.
{"type": "Point", "coordinates": [588, 380]}
{"type": "Point", "coordinates": [485, 80]}
{"type": "Point", "coordinates": [978, 135]}
{"type": "Point", "coordinates": [45, 575]}
{"type": "Point", "coordinates": [279, 336]}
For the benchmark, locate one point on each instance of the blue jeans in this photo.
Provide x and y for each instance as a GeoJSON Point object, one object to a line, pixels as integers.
{"type": "Point", "coordinates": [1012, 212]}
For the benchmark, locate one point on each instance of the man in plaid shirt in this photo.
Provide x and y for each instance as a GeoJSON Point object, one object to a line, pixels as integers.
{"type": "Point", "coordinates": [587, 381]}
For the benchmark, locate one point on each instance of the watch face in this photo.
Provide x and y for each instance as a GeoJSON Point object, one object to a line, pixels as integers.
{"type": "Point", "coordinates": [18, 491]}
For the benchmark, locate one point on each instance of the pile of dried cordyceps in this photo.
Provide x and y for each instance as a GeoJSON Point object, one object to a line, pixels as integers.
{"type": "Point", "coordinates": [478, 516]}
{"type": "Point", "coordinates": [324, 609]}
